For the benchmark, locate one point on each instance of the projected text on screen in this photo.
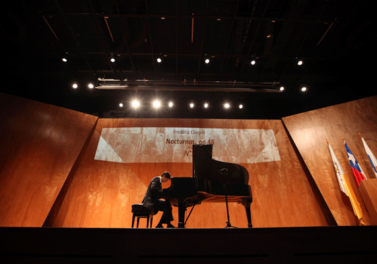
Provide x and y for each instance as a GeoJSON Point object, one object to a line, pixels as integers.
{"type": "Point", "coordinates": [167, 144]}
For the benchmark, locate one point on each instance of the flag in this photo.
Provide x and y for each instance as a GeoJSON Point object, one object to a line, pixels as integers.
{"type": "Point", "coordinates": [345, 187]}
{"type": "Point", "coordinates": [356, 169]}
{"type": "Point", "coordinates": [338, 170]}
{"type": "Point", "coordinates": [372, 158]}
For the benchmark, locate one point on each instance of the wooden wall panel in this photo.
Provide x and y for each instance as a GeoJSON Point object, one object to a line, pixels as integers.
{"type": "Point", "coordinates": [101, 193]}
{"type": "Point", "coordinates": [39, 145]}
{"type": "Point", "coordinates": [368, 190]}
{"type": "Point", "coordinates": [309, 132]}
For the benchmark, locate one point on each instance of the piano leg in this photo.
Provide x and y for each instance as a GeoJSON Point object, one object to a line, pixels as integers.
{"type": "Point", "coordinates": [246, 203]}
{"type": "Point", "coordinates": [181, 214]}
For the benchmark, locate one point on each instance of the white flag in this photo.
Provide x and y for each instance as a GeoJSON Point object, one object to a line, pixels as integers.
{"type": "Point", "coordinates": [339, 171]}
{"type": "Point", "coordinates": [371, 157]}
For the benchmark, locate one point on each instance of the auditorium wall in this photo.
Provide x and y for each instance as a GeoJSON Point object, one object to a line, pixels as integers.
{"type": "Point", "coordinates": [123, 155]}
{"type": "Point", "coordinates": [310, 130]}
{"type": "Point", "coordinates": [39, 145]}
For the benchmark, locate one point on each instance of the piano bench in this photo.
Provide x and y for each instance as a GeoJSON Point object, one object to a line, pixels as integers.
{"type": "Point", "coordinates": [139, 211]}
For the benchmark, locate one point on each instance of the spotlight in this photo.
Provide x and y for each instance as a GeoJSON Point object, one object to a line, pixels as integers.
{"type": "Point", "coordinates": [299, 62]}
{"type": "Point", "coordinates": [206, 61]}
{"type": "Point", "coordinates": [205, 105]}
{"type": "Point", "coordinates": [281, 88]}
{"type": "Point", "coordinates": [252, 62]}
{"type": "Point", "coordinates": [226, 105]}
{"type": "Point", "coordinates": [112, 60]}
{"type": "Point", "coordinates": [303, 89]}
{"type": "Point", "coordinates": [192, 105]}
{"type": "Point", "coordinates": [156, 104]}
{"type": "Point", "coordinates": [170, 104]}
{"type": "Point", "coordinates": [159, 60]}
{"type": "Point", "coordinates": [91, 86]}
{"type": "Point", "coordinates": [121, 105]}
{"type": "Point", "coordinates": [74, 86]}
{"type": "Point", "coordinates": [135, 103]}
{"type": "Point", "coordinates": [241, 106]}
{"type": "Point", "coordinates": [64, 59]}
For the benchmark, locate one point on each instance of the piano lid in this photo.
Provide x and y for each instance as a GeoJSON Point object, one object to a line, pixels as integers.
{"type": "Point", "coordinates": [216, 171]}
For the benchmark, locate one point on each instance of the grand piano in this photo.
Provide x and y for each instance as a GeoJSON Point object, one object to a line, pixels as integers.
{"type": "Point", "coordinates": [210, 181]}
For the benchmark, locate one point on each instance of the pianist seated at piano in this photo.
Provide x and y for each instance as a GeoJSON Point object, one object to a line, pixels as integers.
{"type": "Point", "coordinates": [152, 200]}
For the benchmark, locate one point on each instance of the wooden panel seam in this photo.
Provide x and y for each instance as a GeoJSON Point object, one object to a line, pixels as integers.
{"type": "Point", "coordinates": [312, 182]}
{"type": "Point", "coordinates": [50, 219]}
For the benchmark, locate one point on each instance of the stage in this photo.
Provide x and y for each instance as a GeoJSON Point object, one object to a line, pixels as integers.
{"type": "Point", "coordinates": [68, 181]}
{"type": "Point", "coordinates": [127, 245]}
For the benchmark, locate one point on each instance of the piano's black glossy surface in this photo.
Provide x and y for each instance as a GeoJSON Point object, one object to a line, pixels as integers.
{"type": "Point", "coordinates": [207, 184]}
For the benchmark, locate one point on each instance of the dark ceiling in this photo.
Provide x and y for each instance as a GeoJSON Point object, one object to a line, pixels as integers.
{"type": "Point", "coordinates": [332, 38]}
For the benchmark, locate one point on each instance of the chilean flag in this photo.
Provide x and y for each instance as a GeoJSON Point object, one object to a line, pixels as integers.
{"type": "Point", "coordinates": [356, 169]}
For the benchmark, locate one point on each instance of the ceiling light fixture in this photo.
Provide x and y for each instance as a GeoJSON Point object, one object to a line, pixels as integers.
{"type": "Point", "coordinates": [156, 104]}
{"type": "Point", "coordinates": [303, 89]}
{"type": "Point", "coordinates": [159, 60]}
{"type": "Point", "coordinates": [121, 105]}
{"type": "Point", "coordinates": [226, 105]}
{"type": "Point", "coordinates": [205, 105]}
{"type": "Point", "coordinates": [241, 106]}
{"type": "Point", "coordinates": [299, 62]}
{"type": "Point", "coordinates": [206, 61]}
{"type": "Point", "coordinates": [281, 88]}
{"type": "Point", "coordinates": [64, 59]}
{"type": "Point", "coordinates": [135, 103]}
{"type": "Point", "coordinates": [252, 62]}
{"type": "Point", "coordinates": [74, 86]}
{"type": "Point", "coordinates": [91, 86]}
{"type": "Point", "coordinates": [170, 104]}
{"type": "Point", "coordinates": [192, 105]}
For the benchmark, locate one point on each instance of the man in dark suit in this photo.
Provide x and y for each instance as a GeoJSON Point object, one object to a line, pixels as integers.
{"type": "Point", "coordinates": [152, 199]}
